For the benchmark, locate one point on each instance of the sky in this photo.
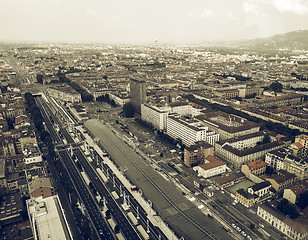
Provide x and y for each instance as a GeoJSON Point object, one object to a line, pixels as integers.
{"type": "Point", "coordinates": [144, 21]}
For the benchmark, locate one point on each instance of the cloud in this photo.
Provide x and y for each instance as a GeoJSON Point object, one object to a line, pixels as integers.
{"type": "Point", "coordinates": [293, 6]}
{"type": "Point", "coordinates": [206, 13]}
{"type": "Point", "coordinates": [92, 12]}
{"type": "Point", "coordinates": [250, 8]}
{"type": "Point", "coordinates": [231, 16]}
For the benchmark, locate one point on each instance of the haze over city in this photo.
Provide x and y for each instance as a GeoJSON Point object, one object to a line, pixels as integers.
{"type": "Point", "coordinates": [139, 21]}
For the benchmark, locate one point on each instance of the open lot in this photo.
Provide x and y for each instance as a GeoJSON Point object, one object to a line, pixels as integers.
{"type": "Point", "coordinates": [244, 184]}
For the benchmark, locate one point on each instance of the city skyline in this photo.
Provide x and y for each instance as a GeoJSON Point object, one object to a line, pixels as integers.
{"type": "Point", "coordinates": [138, 22]}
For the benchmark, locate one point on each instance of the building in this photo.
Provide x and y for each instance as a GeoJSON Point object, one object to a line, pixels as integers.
{"type": "Point", "coordinates": [79, 112]}
{"type": "Point", "coordinates": [137, 93]}
{"type": "Point", "coordinates": [296, 229]}
{"type": "Point", "coordinates": [3, 183]}
{"type": "Point", "coordinates": [154, 115]}
{"type": "Point", "coordinates": [246, 198]}
{"type": "Point", "coordinates": [281, 180]}
{"type": "Point", "coordinates": [11, 207]}
{"type": "Point", "coordinates": [282, 158]}
{"type": "Point", "coordinates": [228, 180]}
{"type": "Point", "coordinates": [40, 187]}
{"type": "Point", "coordinates": [64, 92]}
{"type": "Point", "coordinates": [292, 193]}
{"type": "Point", "coordinates": [260, 189]}
{"type": "Point", "coordinates": [298, 150]}
{"type": "Point", "coordinates": [254, 169]}
{"type": "Point", "coordinates": [32, 153]}
{"type": "Point", "coordinates": [47, 218]}
{"type": "Point", "coordinates": [188, 131]}
{"type": "Point", "coordinates": [196, 154]}
{"type": "Point", "coordinates": [227, 125]}
{"type": "Point", "coordinates": [211, 167]}
{"type": "Point", "coordinates": [285, 99]}
{"type": "Point", "coordinates": [236, 151]}
{"type": "Point", "coordinates": [303, 140]}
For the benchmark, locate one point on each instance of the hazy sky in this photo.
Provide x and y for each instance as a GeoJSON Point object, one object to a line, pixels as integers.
{"type": "Point", "coordinates": [143, 21]}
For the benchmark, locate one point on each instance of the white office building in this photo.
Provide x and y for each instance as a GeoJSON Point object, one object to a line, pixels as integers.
{"type": "Point", "coordinates": [154, 115]}
{"type": "Point", "coordinates": [188, 131]}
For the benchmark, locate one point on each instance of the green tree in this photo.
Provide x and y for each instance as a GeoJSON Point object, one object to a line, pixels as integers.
{"type": "Point", "coordinates": [266, 139]}
{"type": "Point", "coordinates": [269, 170]}
{"type": "Point", "coordinates": [303, 200]}
{"type": "Point", "coordinates": [39, 78]}
{"type": "Point", "coordinates": [276, 86]}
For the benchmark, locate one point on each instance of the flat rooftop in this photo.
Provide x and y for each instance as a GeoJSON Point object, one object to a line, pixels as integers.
{"type": "Point", "coordinates": [47, 218]}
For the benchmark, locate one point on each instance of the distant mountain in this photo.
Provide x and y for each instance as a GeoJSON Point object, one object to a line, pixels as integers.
{"type": "Point", "coordinates": [291, 40]}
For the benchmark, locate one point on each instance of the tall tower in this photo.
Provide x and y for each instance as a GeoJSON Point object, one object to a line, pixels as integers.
{"type": "Point", "coordinates": [137, 93]}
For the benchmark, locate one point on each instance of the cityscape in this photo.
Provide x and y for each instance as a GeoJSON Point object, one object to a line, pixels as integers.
{"type": "Point", "coordinates": [155, 140]}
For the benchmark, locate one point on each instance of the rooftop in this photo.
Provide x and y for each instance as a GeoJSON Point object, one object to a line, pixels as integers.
{"type": "Point", "coordinates": [48, 217]}
{"type": "Point", "coordinates": [227, 122]}
{"type": "Point", "coordinates": [211, 162]}
{"type": "Point", "coordinates": [257, 164]}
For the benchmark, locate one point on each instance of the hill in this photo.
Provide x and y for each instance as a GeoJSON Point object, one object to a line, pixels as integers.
{"type": "Point", "coordinates": [290, 40]}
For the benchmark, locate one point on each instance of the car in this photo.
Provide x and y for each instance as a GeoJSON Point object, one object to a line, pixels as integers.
{"type": "Point", "coordinates": [244, 234]}
{"type": "Point", "coordinates": [261, 225]}
{"type": "Point", "coordinates": [234, 203]}
{"type": "Point", "coordinates": [233, 225]}
{"type": "Point", "coordinates": [100, 232]}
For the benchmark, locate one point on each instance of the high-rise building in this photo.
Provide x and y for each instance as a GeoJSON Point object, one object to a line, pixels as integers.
{"type": "Point", "coordinates": [137, 93]}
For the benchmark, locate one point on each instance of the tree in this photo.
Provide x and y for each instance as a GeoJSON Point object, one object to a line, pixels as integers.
{"type": "Point", "coordinates": [39, 78]}
{"type": "Point", "coordinates": [288, 209]}
{"type": "Point", "coordinates": [128, 110]}
{"type": "Point", "coordinates": [303, 200]}
{"type": "Point", "coordinates": [269, 170]}
{"type": "Point", "coordinates": [266, 139]}
{"type": "Point", "coordinates": [276, 86]}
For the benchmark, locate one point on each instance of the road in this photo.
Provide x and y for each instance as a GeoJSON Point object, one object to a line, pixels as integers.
{"type": "Point", "coordinates": [101, 227]}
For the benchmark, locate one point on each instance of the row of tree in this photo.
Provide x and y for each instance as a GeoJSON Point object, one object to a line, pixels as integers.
{"type": "Point", "coordinates": [106, 98]}
{"type": "Point", "coordinates": [34, 111]}
{"type": "Point", "coordinates": [237, 77]}
{"type": "Point", "coordinates": [85, 95]}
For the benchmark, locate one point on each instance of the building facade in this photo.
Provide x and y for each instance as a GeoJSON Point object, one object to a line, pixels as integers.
{"type": "Point", "coordinates": [137, 93]}
{"type": "Point", "coordinates": [155, 116]}
{"type": "Point", "coordinates": [282, 158]}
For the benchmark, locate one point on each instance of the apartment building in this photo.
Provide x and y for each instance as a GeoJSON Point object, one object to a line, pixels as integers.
{"type": "Point", "coordinates": [303, 140]}
{"type": "Point", "coordinates": [260, 189]}
{"type": "Point", "coordinates": [246, 198]}
{"type": "Point", "coordinates": [257, 167]}
{"type": "Point", "coordinates": [241, 150]}
{"type": "Point", "coordinates": [196, 153]}
{"type": "Point", "coordinates": [282, 158]}
{"type": "Point", "coordinates": [292, 193]}
{"type": "Point", "coordinates": [64, 92]}
{"type": "Point", "coordinates": [296, 229]}
{"type": "Point", "coordinates": [281, 180]}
